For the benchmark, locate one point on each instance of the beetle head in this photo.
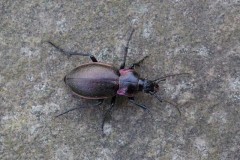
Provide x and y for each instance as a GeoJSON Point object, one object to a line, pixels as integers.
{"type": "Point", "coordinates": [150, 86]}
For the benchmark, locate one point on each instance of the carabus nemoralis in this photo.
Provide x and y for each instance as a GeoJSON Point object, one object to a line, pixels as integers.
{"type": "Point", "coordinates": [100, 81]}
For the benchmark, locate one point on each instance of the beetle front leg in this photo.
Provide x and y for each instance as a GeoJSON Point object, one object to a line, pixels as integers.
{"type": "Point", "coordinates": [108, 112]}
{"type": "Point", "coordinates": [132, 100]}
{"type": "Point", "coordinates": [69, 53]}
{"type": "Point", "coordinates": [126, 50]}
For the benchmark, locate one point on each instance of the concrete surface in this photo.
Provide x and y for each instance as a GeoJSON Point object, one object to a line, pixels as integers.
{"type": "Point", "coordinates": [198, 37]}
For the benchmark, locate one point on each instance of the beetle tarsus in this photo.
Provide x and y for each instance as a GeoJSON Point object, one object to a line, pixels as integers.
{"type": "Point", "coordinates": [69, 53]}
{"type": "Point", "coordinates": [67, 111]}
{"type": "Point", "coordinates": [126, 50]}
{"type": "Point", "coordinates": [137, 63]}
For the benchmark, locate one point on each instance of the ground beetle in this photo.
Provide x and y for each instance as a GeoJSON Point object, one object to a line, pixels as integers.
{"type": "Point", "coordinates": [99, 81]}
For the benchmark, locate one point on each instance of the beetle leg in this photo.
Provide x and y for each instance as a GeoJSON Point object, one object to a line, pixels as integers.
{"type": "Point", "coordinates": [131, 100]}
{"type": "Point", "coordinates": [66, 111]}
{"type": "Point", "coordinates": [137, 63]}
{"type": "Point", "coordinates": [69, 53]}
{"type": "Point", "coordinates": [164, 100]}
{"type": "Point", "coordinates": [126, 50]}
{"type": "Point", "coordinates": [108, 112]}
{"type": "Point", "coordinates": [100, 101]}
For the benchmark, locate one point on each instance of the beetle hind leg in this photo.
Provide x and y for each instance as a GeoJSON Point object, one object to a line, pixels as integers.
{"type": "Point", "coordinates": [70, 53]}
{"type": "Point", "coordinates": [67, 111]}
{"type": "Point", "coordinates": [100, 101]}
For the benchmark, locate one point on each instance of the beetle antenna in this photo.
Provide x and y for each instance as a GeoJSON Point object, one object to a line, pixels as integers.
{"type": "Point", "coordinates": [169, 75]}
{"type": "Point", "coordinates": [166, 101]}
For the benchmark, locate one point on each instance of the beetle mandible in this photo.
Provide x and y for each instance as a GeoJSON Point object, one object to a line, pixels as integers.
{"type": "Point", "coordinates": [100, 81]}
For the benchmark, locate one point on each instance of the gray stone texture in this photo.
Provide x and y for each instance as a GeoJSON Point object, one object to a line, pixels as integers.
{"type": "Point", "coordinates": [199, 37]}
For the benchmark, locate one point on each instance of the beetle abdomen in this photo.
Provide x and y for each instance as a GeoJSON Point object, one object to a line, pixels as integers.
{"type": "Point", "coordinates": [93, 81]}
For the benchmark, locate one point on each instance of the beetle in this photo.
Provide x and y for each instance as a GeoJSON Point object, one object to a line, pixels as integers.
{"type": "Point", "coordinates": [100, 81]}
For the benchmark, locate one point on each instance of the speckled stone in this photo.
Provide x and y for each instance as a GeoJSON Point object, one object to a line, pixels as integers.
{"type": "Point", "coordinates": [197, 37]}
